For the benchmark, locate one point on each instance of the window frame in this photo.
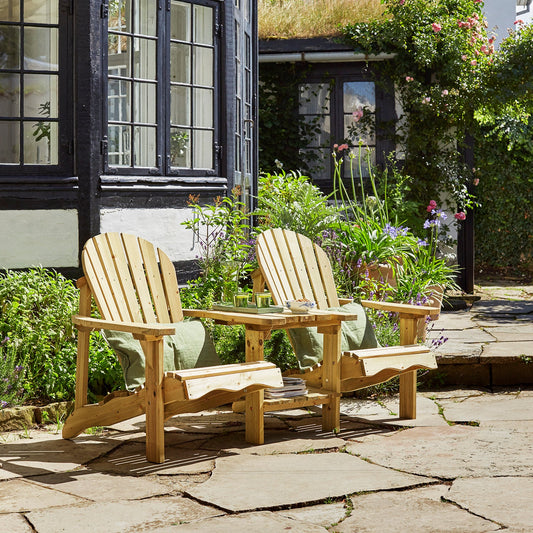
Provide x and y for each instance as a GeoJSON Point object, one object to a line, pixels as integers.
{"type": "Point", "coordinates": [65, 155]}
{"type": "Point", "coordinates": [335, 75]}
{"type": "Point", "coordinates": [164, 171]}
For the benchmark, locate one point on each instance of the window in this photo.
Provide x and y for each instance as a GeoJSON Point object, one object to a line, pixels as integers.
{"type": "Point", "coordinates": [32, 87]}
{"type": "Point", "coordinates": [162, 87]}
{"type": "Point", "coordinates": [333, 113]}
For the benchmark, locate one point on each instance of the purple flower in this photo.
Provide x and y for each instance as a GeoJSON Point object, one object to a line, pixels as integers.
{"type": "Point", "coordinates": [422, 242]}
{"type": "Point", "coordinates": [3, 404]}
{"type": "Point", "coordinates": [18, 368]}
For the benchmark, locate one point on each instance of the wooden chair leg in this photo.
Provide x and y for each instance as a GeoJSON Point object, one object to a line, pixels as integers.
{"type": "Point", "coordinates": [331, 377]}
{"type": "Point", "coordinates": [408, 335]}
{"type": "Point", "coordinates": [155, 410]}
{"type": "Point", "coordinates": [254, 401]}
{"type": "Point", "coordinates": [408, 395]}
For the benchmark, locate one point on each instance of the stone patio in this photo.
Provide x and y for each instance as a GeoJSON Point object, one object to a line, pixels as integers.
{"type": "Point", "coordinates": [463, 465]}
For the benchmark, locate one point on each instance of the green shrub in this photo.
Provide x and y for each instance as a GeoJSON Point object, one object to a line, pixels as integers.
{"type": "Point", "coordinates": [38, 341]}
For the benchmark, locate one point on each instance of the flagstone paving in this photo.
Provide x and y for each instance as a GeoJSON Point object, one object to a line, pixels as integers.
{"type": "Point", "coordinates": [464, 465]}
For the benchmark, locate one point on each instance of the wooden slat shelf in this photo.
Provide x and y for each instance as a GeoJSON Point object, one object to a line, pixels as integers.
{"type": "Point", "coordinates": [313, 397]}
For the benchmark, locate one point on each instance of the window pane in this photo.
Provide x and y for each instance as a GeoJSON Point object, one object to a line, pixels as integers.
{"type": "Point", "coordinates": [145, 147]}
{"type": "Point", "coordinates": [9, 147]}
{"type": "Point", "coordinates": [9, 95]}
{"type": "Point", "coordinates": [40, 143]}
{"type": "Point", "coordinates": [40, 95]}
{"type": "Point", "coordinates": [180, 148]}
{"type": "Point", "coordinates": [145, 103]}
{"type": "Point", "coordinates": [203, 108]}
{"type": "Point", "coordinates": [314, 98]}
{"type": "Point", "coordinates": [367, 155]}
{"type": "Point", "coordinates": [10, 10]}
{"type": "Point", "coordinates": [355, 131]}
{"type": "Point", "coordinates": [203, 66]}
{"type": "Point", "coordinates": [146, 17]}
{"type": "Point", "coordinates": [119, 15]}
{"type": "Point", "coordinates": [41, 11]}
{"type": "Point", "coordinates": [203, 149]}
{"type": "Point", "coordinates": [145, 59]}
{"type": "Point", "coordinates": [180, 21]}
{"type": "Point", "coordinates": [318, 162]}
{"type": "Point", "coordinates": [9, 47]}
{"type": "Point", "coordinates": [359, 94]}
{"type": "Point", "coordinates": [180, 105]}
{"type": "Point", "coordinates": [40, 48]}
{"type": "Point", "coordinates": [119, 149]}
{"type": "Point", "coordinates": [203, 25]}
{"type": "Point", "coordinates": [318, 130]}
{"type": "Point", "coordinates": [118, 58]}
{"type": "Point", "coordinates": [180, 63]}
{"type": "Point", "coordinates": [118, 101]}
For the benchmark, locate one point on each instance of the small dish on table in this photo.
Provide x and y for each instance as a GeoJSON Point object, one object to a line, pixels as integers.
{"type": "Point", "coordinates": [303, 305]}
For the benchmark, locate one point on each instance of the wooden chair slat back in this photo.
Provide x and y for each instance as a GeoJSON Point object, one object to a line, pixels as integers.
{"type": "Point", "coordinates": [153, 276]}
{"type": "Point", "coordinates": [98, 281]}
{"type": "Point", "coordinates": [136, 264]}
{"type": "Point", "coordinates": [170, 284]}
{"type": "Point", "coordinates": [121, 263]}
{"type": "Point", "coordinates": [326, 274]}
{"type": "Point", "coordinates": [130, 280]}
{"type": "Point", "coordinates": [295, 268]}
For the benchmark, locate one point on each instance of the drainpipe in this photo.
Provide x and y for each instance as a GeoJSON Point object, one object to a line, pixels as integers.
{"type": "Point", "coordinates": [322, 57]}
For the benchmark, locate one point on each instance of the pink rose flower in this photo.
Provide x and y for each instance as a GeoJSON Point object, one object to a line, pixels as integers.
{"type": "Point", "coordinates": [445, 92]}
{"type": "Point", "coordinates": [460, 215]}
{"type": "Point", "coordinates": [476, 182]}
{"type": "Point", "coordinates": [343, 147]}
{"type": "Point", "coordinates": [464, 58]}
{"type": "Point", "coordinates": [409, 79]}
{"type": "Point", "coordinates": [473, 62]}
{"type": "Point", "coordinates": [436, 27]}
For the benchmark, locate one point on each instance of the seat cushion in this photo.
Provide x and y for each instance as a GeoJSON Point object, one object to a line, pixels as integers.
{"type": "Point", "coordinates": [190, 347]}
{"type": "Point", "coordinates": [356, 334]}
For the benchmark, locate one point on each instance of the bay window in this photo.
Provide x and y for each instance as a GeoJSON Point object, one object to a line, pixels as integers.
{"type": "Point", "coordinates": [163, 87]}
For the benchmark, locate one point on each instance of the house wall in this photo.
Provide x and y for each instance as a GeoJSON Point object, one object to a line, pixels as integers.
{"type": "Point", "coordinates": [47, 237]}
{"type": "Point", "coordinates": [162, 227]}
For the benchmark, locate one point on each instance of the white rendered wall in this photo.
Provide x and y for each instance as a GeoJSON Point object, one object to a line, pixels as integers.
{"type": "Point", "coordinates": [162, 227]}
{"type": "Point", "coordinates": [47, 237]}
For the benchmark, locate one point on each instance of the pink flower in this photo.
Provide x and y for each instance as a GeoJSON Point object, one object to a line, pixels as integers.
{"type": "Point", "coordinates": [476, 182]}
{"type": "Point", "coordinates": [335, 146]}
{"type": "Point", "coordinates": [409, 79]}
{"type": "Point", "coordinates": [432, 205]}
{"type": "Point", "coordinates": [464, 58]}
{"type": "Point", "coordinates": [436, 27]}
{"type": "Point", "coordinates": [460, 215]}
{"type": "Point", "coordinates": [343, 147]}
{"type": "Point", "coordinates": [445, 92]}
{"type": "Point", "coordinates": [478, 1]}
{"type": "Point", "coordinates": [473, 62]}
{"type": "Point", "coordinates": [402, 2]}
{"type": "Point", "coordinates": [357, 115]}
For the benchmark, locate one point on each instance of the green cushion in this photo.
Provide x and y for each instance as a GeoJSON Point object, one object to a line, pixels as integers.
{"type": "Point", "coordinates": [356, 334]}
{"type": "Point", "coordinates": [190, 347]}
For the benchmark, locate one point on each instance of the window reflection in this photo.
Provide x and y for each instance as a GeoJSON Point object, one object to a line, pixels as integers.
{"type": "Point", "coordinates": [29, 126]}
{"type": "Point", "coordinates": [132, 83]}
{"type": "Point", "coordinates": [192, 73]}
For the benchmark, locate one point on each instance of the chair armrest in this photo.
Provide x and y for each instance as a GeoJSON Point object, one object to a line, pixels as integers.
{"type": "Point", "coordinates": [402, 309]}
{"type": "Point", "coordinates": [149, 330]}
{"type": "Point", "coordinates": [344, 301]}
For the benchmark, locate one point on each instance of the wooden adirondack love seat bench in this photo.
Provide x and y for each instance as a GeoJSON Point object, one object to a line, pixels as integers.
{"type": "Point", "coordinates": [135, 289]}
{"type": "Point", "coordinates": [293, 267]}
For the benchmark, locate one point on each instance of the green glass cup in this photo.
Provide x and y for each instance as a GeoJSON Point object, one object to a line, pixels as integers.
{"type": "Point", "coordinates": [241, 299]}
{"type": "Point", "coordinates": [263, 299]}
